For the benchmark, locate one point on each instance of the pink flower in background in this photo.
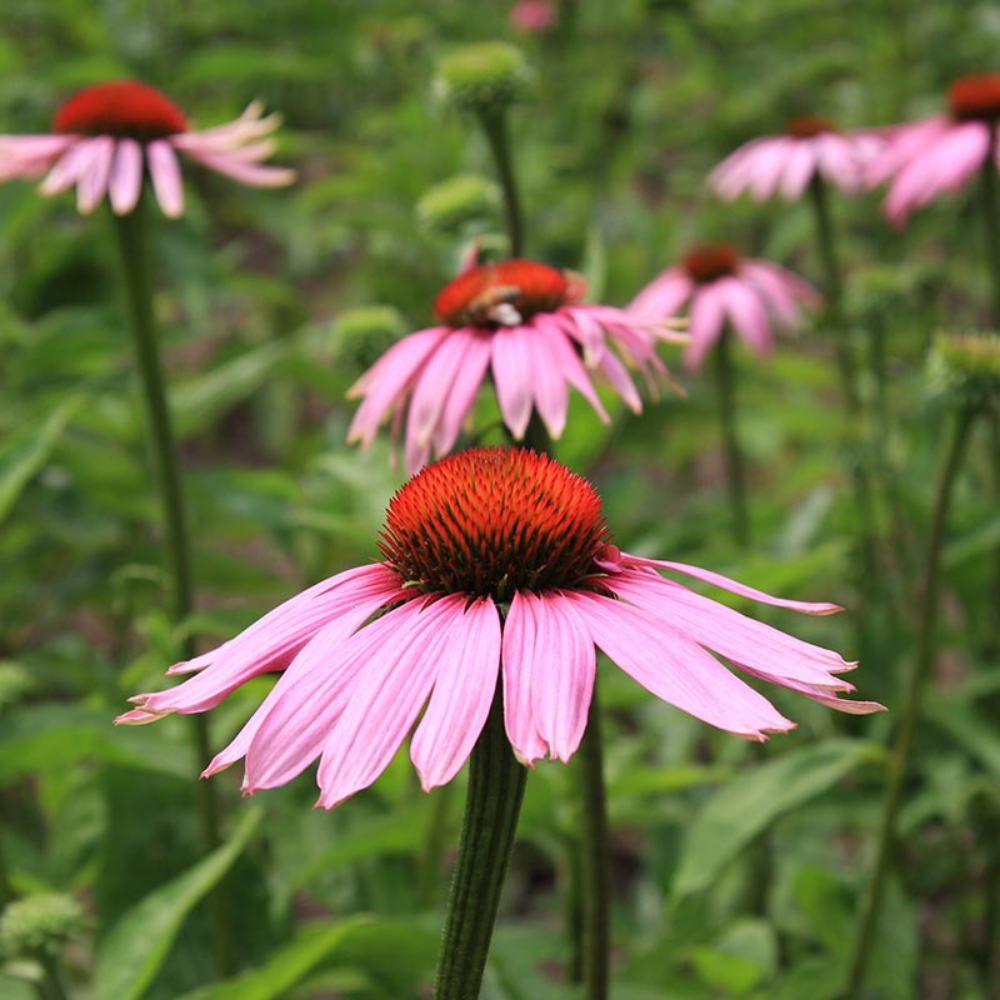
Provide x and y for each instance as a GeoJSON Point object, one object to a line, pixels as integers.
{"type": "Point", "coordinates": [938, 155]}
{"type": "Point", "coordinates": [107, 138]}
{"type": "Point", "coordinates": [534, 15]}
{"type": "Point", "coordinates": [717, 286]}
{"type": "Point", "coordinates": [497, 567]}
{"type": "Point", "coordinates": [786, 164]}
{"type": "Point", "coordinates": [521, 322]}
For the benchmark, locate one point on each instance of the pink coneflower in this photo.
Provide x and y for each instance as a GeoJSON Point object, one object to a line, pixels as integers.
{"type": "Point", "coordinates": [497, 567]}
{"type": "Point", "coordinates": [718, 286]}
{"type": "Point", "coordinates": [522, 322]}
{"type": "Point", "coordinates": [108, 137]}
{"type": "Point", "coordinates": [534, 15]}
{"type": "Point", "coordinates": [938, 155]}
{"type": "Point", "coordinates": [785, 164]}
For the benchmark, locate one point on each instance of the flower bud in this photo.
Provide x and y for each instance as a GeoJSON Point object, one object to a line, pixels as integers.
{"type": "Point", "coordinates": [484, 78]}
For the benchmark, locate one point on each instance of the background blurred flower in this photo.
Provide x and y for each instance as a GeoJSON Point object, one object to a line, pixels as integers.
{"type": "Point", "coordinates": [785, 164]}
{"type": "Point", "coordinates": [938, 155]}
{"type": "Point", "coordinates": [717, 286]}
{"type": "Point", "coordinates": [534, 15]}
{"type": "Point", "coordinates": [497, 563]}
{"type": "Point", "coordinates": [522, 322]}
{"type": "Point", "coordinates": [106, 138]}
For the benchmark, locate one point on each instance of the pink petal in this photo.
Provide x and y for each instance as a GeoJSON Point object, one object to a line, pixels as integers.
{"type": "Point", "coordinates": [165, 173]}
{"type": "Point", "coordinates": [513, 374]}
{"type": "Point", "coordinates": [234, 165]}
{"type": "Point", "coordinates": [677, 670]}
{"type": "Point", "coordinates": [462, 395]}
{"type": "Point", "coordinates": [125, 184]}
{"type": "Point", "coordinates": [707, 320]}
{"type": "Point", "coordinates": [521, 661]}
{"type": "Point", "coordinates": [93, 183]}
{"type": "Point", "coordinates": [385, 703]}
{"type": "Point", "coordinates": [463, 692]}
{"type": "Point", "coordinates": [819, 694]}
{"type": "Point", "coordinates": [663, 296]}
{"type": "Point", "coordinates": [746, 314]}
{"type": "Point", "coordinates": [563, 683]}
{"type": "Point", "coordinates": [799, 167]}
{"type": "Point", "coordinates": [68, 168]}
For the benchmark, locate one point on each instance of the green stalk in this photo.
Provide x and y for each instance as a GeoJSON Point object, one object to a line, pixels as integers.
{"type": "Point", "coordinates": [493, 804]}
{"type": "Point", "coordinates": [725, 374]}
{"type": "Point", "coordinates": [133, 244]}
{"type": "Point", "coordinates": [594, 886]}
{"type": "Point", "coordinates": [494, 124]}
{"type": "Point", "coordinates": [899, 763]}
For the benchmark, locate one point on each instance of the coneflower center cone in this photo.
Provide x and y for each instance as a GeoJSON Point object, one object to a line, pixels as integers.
{"type": "Point", "coordinates": [976, 97]}
{"type": "Point", "coordinates": [809, 126]}
{"type": "Point", "coordinates": [707, 263]}
{"type": "Point", "coordinates": [124, 108]}
{"type": "Point", "coordinates": [505, 293]}
{"type": "Point", "coordinates": [489, 521]}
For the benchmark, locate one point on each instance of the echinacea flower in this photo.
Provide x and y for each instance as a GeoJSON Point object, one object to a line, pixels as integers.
{"type": "Point", "coordinates": [938, 155]}
{"type": "Point", "coordinates": [497, 569]}
{"type": "Point", "coordinates": [717, 286]}
{"type": "Point", "coordinates": [786, 164]}
{"type": "Point", "coordinates": [108, 138]}
{"type": "Point", "coordinates": [522, 322]}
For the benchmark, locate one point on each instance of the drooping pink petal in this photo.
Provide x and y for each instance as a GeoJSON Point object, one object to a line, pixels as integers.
{"type": "Point", "coordinates": [707, 320]}
{"type": "Point", "coordinates": [462, 395]}
{"type": "Point", "coordinates": [664, 296]}
{"type": "Point", "coordinates": [799, 167]}
{"type": "Point", "coordinates": [563, 684]}
{"type": "Point", "coordinates": [521, 660]}
{"type": "Point", "coordinates": [384, 705]}
{"type": "Point", "coordinates": [68, 168]}
{"type": "Point", "coordinates": [781, 290]}
{"type": "Point", "coordinates": [513, 373]}
{"type": "Point", "coordinates": [566, 361]}
{"type": "Point", "coordinates": [818, 693]}
{"type": "Point", "coordinates": [30, 156]}
{"type": "Point", "coordinates": [747, 315]}
{"type": "Point", "coordinates": [165, 173]}
{"type": "Point", "coordinates": [467, 672]}
{"type": "Point", "coordinates": [234, 165]}
{"type": "Point", "coordinates": [93, 183]}
{"type": "Point", "coordinates": [676, 669]}
{"type": "Point", "coordinates": [718, 580]}
{"type": "Point", "coordinates": [125, 183]}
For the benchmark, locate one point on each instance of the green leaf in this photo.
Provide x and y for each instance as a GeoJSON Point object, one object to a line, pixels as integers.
{"type": "Point", "coordinates": [287, 966]}
{"type": "Point", "coordinates": [135, 948]}
{"type": "Point", "coordinates": [22, 458]}
{"type": "Point", "coordinates": [740, 811]}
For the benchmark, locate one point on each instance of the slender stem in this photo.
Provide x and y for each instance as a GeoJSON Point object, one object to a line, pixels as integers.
{"type": "Point", "coordinates": [735, 482]}
{"type": "Point", "coordinates": [991, 218]}
{"type": "Point", "coordinates": [494, 125]}
{"type": "Point", "coordinates": [834, 289]}
{"type": "Point", "coordinates": [899, 762]}
{"type": "Point", "coordinates": [496, 789]}
{"type": "Point", "coordinates": [133, 244]}
{"type": "Point", "coordinates": [594, 888]}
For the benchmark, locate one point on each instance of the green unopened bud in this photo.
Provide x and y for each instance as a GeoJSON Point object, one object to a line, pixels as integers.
{"type": "Point", "coordinates": [363, 335]}
{"type": "Point", "coordinates": [967, 366]}
{"type": "Point", "coordinates": [454, 203]}
{"type": "Point", "coordinates": [38, 923]}
{"type": "Point", "coordinates": [484, 78]}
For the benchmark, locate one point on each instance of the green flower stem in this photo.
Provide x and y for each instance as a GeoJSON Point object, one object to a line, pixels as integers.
{"type": "Point", "coordinates": [594, 886]}
{"type": "Point", "coordinates": [899, 762]}
{"type": "Point", "coordinates": [725, 374]}
{"type": "Point", "coordinates": [493, 804]}
{"type": "Point", "coordinates": [50, 986]}
{"type": "Point", "coordinates": [834, 289]}
{"type": "Point", "coordinates": [991, 219]}
{"type": "Point", "coordinates": [494, 124]}
{"type": "Point", "coordinates": [133, 244]}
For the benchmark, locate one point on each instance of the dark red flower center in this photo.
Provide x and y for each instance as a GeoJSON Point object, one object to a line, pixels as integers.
{"type": "Point", "coordinates": [975, 97]}
{"type": "Point", "coordinates": [123, 108]}
{"type": "Point", "coordinates": [490, 521]}
{"type": "Point", "coordinates": [706, 263]}
{"type": "Point", "coordinates": [505, 294]}
{"type": "Point", "coordinates": [809, 126]}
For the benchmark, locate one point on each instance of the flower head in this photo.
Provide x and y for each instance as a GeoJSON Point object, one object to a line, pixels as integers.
{"type": "Point", "coordinates": [483, 78]}
{"type": "Point", "coordinates": [108, 138]}
{"type": "Point", "coordinates": [785, 164]}
{"type": "Point", "coordinates": [718, 286]}
{"type": "Point", "coordinates": [937, 155]}
{"type": "Point", "coordinates": [497, 568]}
{"type": "Point", "coordinates": [966, 367]}
{"type": "Point", "coordinates": [521, 321]}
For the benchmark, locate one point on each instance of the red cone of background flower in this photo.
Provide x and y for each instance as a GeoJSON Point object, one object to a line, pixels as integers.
{"type": "Point", "coordinates": [520, 321]}
{"type": "Point", "coordinates": [496, 565]}
{"type": "Point", "coordinates": [938, 155]}
{"type": "Point", "coordinates": [785, 164]}
{"type": "Point", "coordinates": [109, 137]}
{"type": "Point", "coordinates": [715, 285]}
